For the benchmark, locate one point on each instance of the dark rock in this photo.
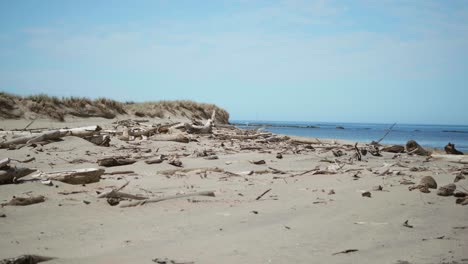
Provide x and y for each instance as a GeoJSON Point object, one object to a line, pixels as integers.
{"type": "Point", "coordinates": [447, 190]}
{"type": "Point", "coordinates": [414, 148]}
{"type": "Point", "coordinates": [429, 182]}
{"type": "Point", "coordinates": [366, 194]}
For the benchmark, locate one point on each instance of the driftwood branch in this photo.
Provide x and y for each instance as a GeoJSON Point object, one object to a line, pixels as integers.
{"type": "Point", "coordinates": [155, 200]}
{"type": "Point", "coordinates": [171, 137]}
{"type": "Point", "coordinates": [52, 135]}
{"type": "Point", "coordinates": [78, 176]}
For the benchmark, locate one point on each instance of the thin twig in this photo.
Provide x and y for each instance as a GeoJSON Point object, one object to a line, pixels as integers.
{"type": "Point", "coordinates": [388, 131]}
{"type": "Point", "coordinates": [261, 195]}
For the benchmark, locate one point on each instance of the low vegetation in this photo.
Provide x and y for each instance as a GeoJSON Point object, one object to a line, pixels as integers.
{"type": "Point", "coordinates": [41, 105]}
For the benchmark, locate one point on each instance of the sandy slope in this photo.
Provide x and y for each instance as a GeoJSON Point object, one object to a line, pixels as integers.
{"type": "Point", "coordinates": [297, 222]}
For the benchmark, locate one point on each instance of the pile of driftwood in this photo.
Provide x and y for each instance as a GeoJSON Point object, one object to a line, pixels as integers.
{"type": "Point", "coordinates": [230, 139]}
{"type": "Point", "coordinates": [33, 138]}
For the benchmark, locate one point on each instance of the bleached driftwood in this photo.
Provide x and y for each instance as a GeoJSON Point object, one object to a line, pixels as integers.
{"type": "Point", "coordinates": [155, 200]}
{"type": "Point", "coordinates": [51, 135]}
{"type": "Point", "coordinates": [171, 137]}
{"type": "Point", "coordinates": [4, 162]}
{"type": "Point", "coordinates": [197, 170]}
{"type": "Point", "coordinates": [31, 139]}
{"type": "Point", "coordinates": [80, 131]}
{"type": "Point", "coordinates": [143, 132]}
{"type": "Point", "coordinates": [207, 128]}
{"type": "Point", "coordinates": [242, 137]}
{"type": "Point", "coordinates": [78, 176]}
{"type": "Point", "coordinates": [156, 160]}
{"type": "Point", "coordinates": [9, 174]}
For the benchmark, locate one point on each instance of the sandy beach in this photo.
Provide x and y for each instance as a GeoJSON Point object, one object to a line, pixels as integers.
{"type": "Point", "coordinates": [314, 211]}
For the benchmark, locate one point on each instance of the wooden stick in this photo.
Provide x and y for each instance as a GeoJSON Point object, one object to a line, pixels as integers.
{"type": "Point", "coordinates": [388, 131]}
{"type": "Point", "coordinates": [156, 200]}
{"type": "Point", "coordinates": [261, 195]}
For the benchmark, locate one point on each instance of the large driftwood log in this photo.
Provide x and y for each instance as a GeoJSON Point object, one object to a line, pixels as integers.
{"type": "Point", "coordinates": [53, 134]}
{"type": "Point", "coordinates": [115, 161]}
{"type": "Point", "coordinates": [171, 137]}
{"type": "Point", "coordinates": [79, 176]}
{"type": "Point", "coordinates": [26, 259]}
{"type": "Point", "coordinates": [155, 200]}
{"type": "Point", "coordinates": [80, 131]}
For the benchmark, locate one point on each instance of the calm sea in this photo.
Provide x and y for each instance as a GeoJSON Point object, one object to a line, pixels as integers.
{"type": "Point", "coordinates": [435, 136]}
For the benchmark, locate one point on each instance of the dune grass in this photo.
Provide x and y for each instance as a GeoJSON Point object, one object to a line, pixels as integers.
{"type": "Point", "coordinates": [14, 106]}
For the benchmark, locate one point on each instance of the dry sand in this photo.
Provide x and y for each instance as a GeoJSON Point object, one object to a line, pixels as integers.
{"type": "Point", "coordinates": [298, 221]}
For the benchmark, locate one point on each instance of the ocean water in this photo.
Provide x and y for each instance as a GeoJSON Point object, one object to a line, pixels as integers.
{"type": "Point", "coordinates": [434, 136]}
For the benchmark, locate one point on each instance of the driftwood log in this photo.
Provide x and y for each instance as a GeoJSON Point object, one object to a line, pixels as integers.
{"type": "Point", "coordinates": [51, 135]}
{"type": "Point", "coordinates": [115, 161]}
{"type": "Point", "coordinates": [26, 259]}
{"type": "Point", "coordinates": [171, 137]}
{"type": "Point", "coordinates": [155, 200]}
{"type": "Point", "coordinates": [242, 137]}
{"type": "Point", "coordinates": [23, 201]}
{"type": "Point", "coordinates": [207, 128]}
{"type": "Point", "coordinates": [9, 174]}
{"type": "Point", "coordinates": [78, 176]}
{"type": "Point", "coordinates": [394, 149]}
{"type": "Point", "coordinates": [156, 160]}
{"type": "Point", "coordinates": [450, 149]}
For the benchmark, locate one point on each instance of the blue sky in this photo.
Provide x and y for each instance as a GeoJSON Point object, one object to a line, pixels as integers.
{"type": "Point", "coordinates": [346, 61]}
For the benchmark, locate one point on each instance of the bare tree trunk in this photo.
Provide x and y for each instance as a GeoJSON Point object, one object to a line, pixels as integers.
{"type": "Point", "coordinates": [53, 134]}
